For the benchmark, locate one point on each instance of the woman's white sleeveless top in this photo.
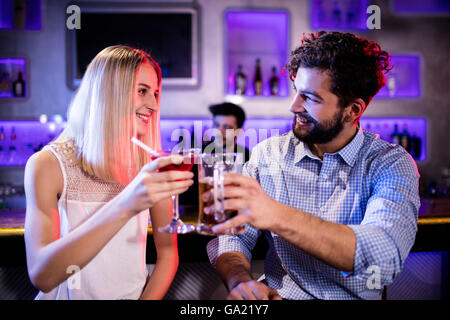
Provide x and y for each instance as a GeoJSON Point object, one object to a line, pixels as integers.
{"type": "Point", "coordinates": [119, 270]}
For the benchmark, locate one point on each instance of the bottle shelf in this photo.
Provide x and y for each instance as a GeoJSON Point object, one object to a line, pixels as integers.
{"type": "Point", "coordinates": [13, 78]}
{"type": "Point", "coordinates": [420, 6]}
{"type": "Point", "coordinates": [252, 35]}
{"type": "Point", "coordinates": [31, 135]}
{"type": "Point", "coordinates": [200, 130]}
{"type": "Point", "coordinates": [19, 139]}
{"type": "Point", "coordinates": [20, 15]}
{"type": "Point", "coordinates": [338, 14]}
{"type": "Point", "coordinates": [411, 133]}
{"type": "Point", "coordinates": [404, 80]}
{"type": "Point", "coordinates": [256, 130]}
{"type": "Point", "coordinates": [254, 52]}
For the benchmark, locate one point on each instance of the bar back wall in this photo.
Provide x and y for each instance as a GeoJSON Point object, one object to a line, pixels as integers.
{"type": "Point", "coordinates": [423, 35]}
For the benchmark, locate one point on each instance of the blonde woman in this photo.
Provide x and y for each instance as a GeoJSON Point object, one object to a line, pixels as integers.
{"type": "Point", "coordinates": [89, 193]}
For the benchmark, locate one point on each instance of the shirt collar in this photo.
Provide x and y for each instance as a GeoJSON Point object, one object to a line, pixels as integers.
{"type": "Point", "coordinates": [301, 151]}
{"type": "Point", "coordinates": [349, 153]}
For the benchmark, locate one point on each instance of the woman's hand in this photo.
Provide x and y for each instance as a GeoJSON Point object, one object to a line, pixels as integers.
{"type": "Point", "coordinates": [150, 186]}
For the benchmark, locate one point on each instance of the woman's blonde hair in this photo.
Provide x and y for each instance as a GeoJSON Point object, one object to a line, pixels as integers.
{"type": "Point", "coordinates": [101, 118]}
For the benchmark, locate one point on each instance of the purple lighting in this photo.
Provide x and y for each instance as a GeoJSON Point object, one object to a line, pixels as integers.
{"type": "Point", "coordinates": [414, 128]}
{"type": "Point", "coordinates": [257, 34]}
{"type": "Point", "coordinates": [15, 16]}
{"type": "Point", "coordinates": [403, 81]}
{"type": "Point", "coordinates": [19, 139]}
{"type": "Point", "coordinates": [420, 6]}
{"type": "Point", "coordinates": [16, 61]}
{"type": "Point", "coordinates": [6, 16]}
{"type": "Point", "coordinates": [9, 73]}
{"type": "Point", "coordinates": [339, 15]}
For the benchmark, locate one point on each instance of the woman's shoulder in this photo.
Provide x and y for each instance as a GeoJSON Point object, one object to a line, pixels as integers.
{"type": "Point", "coordinates": [43, 160]}
{"type": "Point", "coordinates": [65, 148]}
{"type": "Point", "coordinates": [43, 168]}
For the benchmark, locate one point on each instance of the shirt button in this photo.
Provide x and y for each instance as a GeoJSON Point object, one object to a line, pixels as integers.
{"type": "Point", "coordinates": [325, 176]}
{"type": "Point", "coordinates": [327, 296]}
{"type": "Point", "coordinates": [322, 209]}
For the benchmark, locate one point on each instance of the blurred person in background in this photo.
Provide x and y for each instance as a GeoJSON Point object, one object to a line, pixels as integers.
{"type": "Point", "coordinates": [229, 119]}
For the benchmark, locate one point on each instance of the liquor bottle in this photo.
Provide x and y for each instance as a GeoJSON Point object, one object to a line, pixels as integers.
{"type": "Point", "coordinates": [405, 138]}
{"type": "Point", "coordinates": [18, 86]}
{"type": "Point", "coordinates": [396, 136]}
{"type": "Point", "coordinates": [13, 138]}
{"type": "Point", "coordinates": [391, 84]}
{"type": "Point", "coordinates": [257, 79]}
{"type": "Point", "coordinates": [240, 81]}
{"type": "Point", "coordinates": [321, 12]}
{"type": "Point", "coordinates": [12, 148]}
{"type": "Point", "coordinates": [416, 146]}
{"type": "Point", "coordinates": [13, 134]}
{"type": "Point", "coordinates": [337, 12]}
{"type": "Point", "coordinates": [432, 189]}
{"type": "Point", "coordinates": [274, 82]}
{"type": "Point", "coordinates": [351, 14]}
{"type": "Point", "coordinates": [19, 14]}
{"type": "Point", "coordinates": [378, 131]}
{"type": "Point", "coordinates": [387, 132]}
{"type": "Point", "coordinates": [2, 137]}
{"type": "Point", "coordinates": [5, 85]}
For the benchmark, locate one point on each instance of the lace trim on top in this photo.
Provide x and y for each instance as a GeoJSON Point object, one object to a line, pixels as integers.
{"type": "Point", "coordinates": [81, 186]}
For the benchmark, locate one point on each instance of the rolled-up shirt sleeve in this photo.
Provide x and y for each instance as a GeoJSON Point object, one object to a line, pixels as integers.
{"type": "Point", "coordinates": [387, 232]}
{"type": "Point", "coordinates": [243, 243]}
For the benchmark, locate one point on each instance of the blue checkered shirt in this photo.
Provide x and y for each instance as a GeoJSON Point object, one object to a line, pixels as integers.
{"type": "Point", "coordinates": [369, 185]}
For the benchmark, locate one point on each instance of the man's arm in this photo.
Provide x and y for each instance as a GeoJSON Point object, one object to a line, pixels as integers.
{"type": "Point", "coordinates": [234, 269]}
{"type": "Point", "coordinates": [231, 255]}
{"type": "Point", "coordinates": [332, 243]}
{"type": "Point", "coordinates": [384, 237]}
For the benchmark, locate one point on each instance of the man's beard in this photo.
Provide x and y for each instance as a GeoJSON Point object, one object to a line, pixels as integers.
{"type": "Point", "coordinates": [321, 132]}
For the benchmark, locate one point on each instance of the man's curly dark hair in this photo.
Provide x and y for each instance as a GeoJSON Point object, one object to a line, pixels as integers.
{"type": "Point", "coordinates": [356, 65]}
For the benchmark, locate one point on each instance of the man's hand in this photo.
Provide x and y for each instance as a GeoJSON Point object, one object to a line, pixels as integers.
{"type": "Point", "coordinates": [245, 195]}
{"type": "Point", "coordinates": [253, 290]}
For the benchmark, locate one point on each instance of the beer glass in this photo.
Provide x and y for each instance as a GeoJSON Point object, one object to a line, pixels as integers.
{"type": "Point", "coordinates": [211, 176]}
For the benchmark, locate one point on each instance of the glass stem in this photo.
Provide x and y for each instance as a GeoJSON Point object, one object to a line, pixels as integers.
{"type": "Point", "coordinates": [175, 213]}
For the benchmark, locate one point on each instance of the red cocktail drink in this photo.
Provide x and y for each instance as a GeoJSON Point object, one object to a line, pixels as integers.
{"type": "Point", "coordinates": [186, 165]}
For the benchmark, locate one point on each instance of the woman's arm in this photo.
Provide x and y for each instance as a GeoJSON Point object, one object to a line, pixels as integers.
{"type": "Point", "coordinates": [48, 255]}
{"type": "Point", "coordinates": [167, 253]}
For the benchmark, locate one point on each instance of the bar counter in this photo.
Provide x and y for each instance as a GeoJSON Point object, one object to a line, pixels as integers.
{"type": "Point", "coordinates": [431, 212]}
{"type": "Point", "coordinates": [434, 213]}
{"type": "Point", "coordinates": [196, 279]}
{"type": "Point", "coordinates": [433, 230]}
